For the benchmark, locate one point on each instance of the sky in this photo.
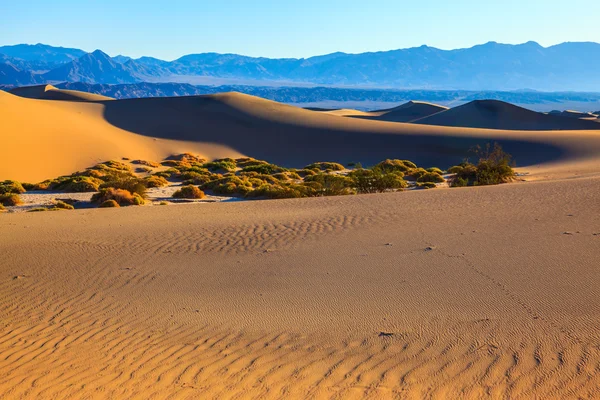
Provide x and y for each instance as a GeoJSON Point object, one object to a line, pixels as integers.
{"type": "Point", "coordinates": [291, 28]}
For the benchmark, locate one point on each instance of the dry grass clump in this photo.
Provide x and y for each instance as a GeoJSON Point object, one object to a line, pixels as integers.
{"type": "Point", "coordinates": [233, 185]}
{"type": "Point", "coordinates": [10, 199]}
{"type": "Point", "coordinates": [11, 187]}
{"type": "Point", "coordinates": [388, 166]}
{"type": "Point", "coordinates": [2, 208]}
{"type": "Point", "coordinates": [62, 205]}
{"type": "Point", "coordinates": [150, 164]}
{"type": "Point", "coordinates": [187, 158]}
{"type": "Point", "coordinates": [264, 168]}
{"type": "Point", "coordinates": [224, 165]}
{"type": "Point", "coordinates": [155, 181]}
{"type": "Point", "coordinates": [189, 192]}
{"type": "Point", "coordinates": [332, 185]}
{"type": "Point", "coordinates": [433, 177]}
{"type": "Point", "coordinates": [495, 166]}
{"type": "Point", "coordinates": [376, 181]}
{"type": "Point", "coordinates": [426, 185]}
{"type": "Point", "coordinates": [122, 196]}
{"type": "Point", "coordinates": [324, 166]}
{"type": "Point", "coordinates": [109, 204]}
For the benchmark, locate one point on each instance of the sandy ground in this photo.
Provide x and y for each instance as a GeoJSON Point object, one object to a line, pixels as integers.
{"type": "Point", "coordinates": [448, 293]}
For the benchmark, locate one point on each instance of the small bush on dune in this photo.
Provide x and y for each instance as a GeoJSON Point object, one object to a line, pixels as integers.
{"type": "Point", "coordinates": [230, 185]}
{"type": "Point", "coordinates": [155, 181]}
{"type": "Point", "coordinates": [121, 196]}
{"type": "Point", "coordinates": [109, 204]}
{"type": "Point", "coordinates": [284, 191]}
{"type": "Point", "coordinates": [72, 184]}
{"type": "Point", "coordinates": [430, 177]}
{"type": "Point", "coordinates": [375, 181]}
{"type": "Point", "coordinates": [322, 166]}
{"type": "Point", "coordinates": [436, 170]}
{"type": "Point", "coordinates": [226, 164]}
{"type": "Point", "coordinates": [143, 170]}
{"type": "Point", "coordinates": [332, 185]}
{"type": "Point", "coordinates": [414, 174]}
{"type": "Point", "coordinates": [176, 164]}
{"type": "Point", "coordinates": [2, 208]}
{"type": "Point", "coordinates": [11, 187]}
{"type": "Point", "coordinates": [494, 167]}
{"type": "Point", "coordinates": [150, 164]}
{"type": "Point", "coordinates": [187, 158]}
{"type": "Point", "coordinates": [10, 199]}
{"type": "Point", "coordinates": [248, 162]}
{"type": "Point", "coordinates": [391, 166]}
{"type": "Point", "coordinates": [62, 205]}
{"type": "Point", "coordinates": [426, 185]}
{"type": "Point", "coordinates": [189, 192]}
{"type": "Point", "coordinates": [130, 184]}
{"type": "Point", "coordinates": [267, 169]}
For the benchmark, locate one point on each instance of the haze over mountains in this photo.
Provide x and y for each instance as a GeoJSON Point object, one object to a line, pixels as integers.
{"type": "Point", "coordinates": [490, 66]}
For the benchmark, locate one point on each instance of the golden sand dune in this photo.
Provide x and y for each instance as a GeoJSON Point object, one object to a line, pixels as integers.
{"type": "Point", "coordinates": [66, 136]}
{"type": "Point", "coordinates": [493, 114]}
{"type": "Point", "coordinates": [49, 92]}
{"type": "Point", "coordinates": [458, 293]}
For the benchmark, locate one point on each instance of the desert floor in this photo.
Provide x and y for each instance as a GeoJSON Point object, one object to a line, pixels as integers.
{"type": "Point", "coordinates": [448, 293]}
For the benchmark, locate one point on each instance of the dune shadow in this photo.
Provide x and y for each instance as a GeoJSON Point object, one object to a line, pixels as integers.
{"type": "Point", "coordinates": [293, 141]}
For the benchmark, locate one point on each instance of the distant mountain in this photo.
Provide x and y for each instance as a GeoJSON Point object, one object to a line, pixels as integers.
{"type": "Point", "coordinates": [10, 74]}
{"type": "Point", "coordinates": [490, 66]}
{"type": "Point", "coordinates": [96, 67]}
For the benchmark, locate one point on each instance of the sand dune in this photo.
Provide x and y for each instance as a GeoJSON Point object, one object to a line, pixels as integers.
{"type": "Point", "coordinates": [578, 114]}
{"type": "Point", "coordinates": [66, 136]}
{"type": "Point", "coordinates": [408, 112]}
{"type": "Point", "coordinates": [458, 293]}
{"type": "Point", "coordinates": [493, 114]}
{"type": "Point", "coordinates": [49, 92]}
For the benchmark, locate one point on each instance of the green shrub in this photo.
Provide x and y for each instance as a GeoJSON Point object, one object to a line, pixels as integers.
{"type": "Point", "coordinates": [430, 177]}
{"type": "Point", "coordinates": [414, 174]}
{"type": "Point", "coordinates": [131, 184]}
{"type": "Point", "coordinates": [332, 185]}
{"type": "Point", "coordinates": [283, 191]}
{"type": "Point", "coordinates": [62, 205]}
{"type": "Point", "coordinates": [409, 164]}
{"type": "Point", "coordinates": [494, 167]}
{"type": "Point", "coordinates": [436, 170]}
{"type": "Point", "coordinates": [72, 184]}
{"type": "Point", "coordinates": [155, 181]}
{"type": "Point", "coordinates": [109, 204]}
{"type": "Point", "coordinates": [10, 199]}
{"type": "Point", "coordinates": [230, 185]}
{"type": "Point", "coordinates": [321, 166]}
{"type": "Point", "coordinates": [375, 181]}
{"type": "Point", "coordinates": [151, 164]}
{"type": "Point", "coordinates": [426, 185]}
{"type": "Point", "coordinates": [2, 208]}
{"type": "Point", "coordinates": [189, 192]}
{"type": "Point", "coordinates": [11, 187]}
{"type": "Point", "coordinates": [188, 158]}
{"type": "Point", "coordinates": [121, 196]}
{"type": "Point", "coordinates": [226, 164]}
{"type": "Point", "coordinates": [266, 168]}
{"type": "Point", "coordinates": [387, 166]}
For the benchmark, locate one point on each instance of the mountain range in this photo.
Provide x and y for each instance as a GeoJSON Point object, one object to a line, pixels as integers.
{"type": "Point", "coordinates": [491, 66]}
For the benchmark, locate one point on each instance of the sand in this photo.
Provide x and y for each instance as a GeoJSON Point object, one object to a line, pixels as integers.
{"type": "Point", "coordinates": [482, 292]}
{"type": "Point", "coordinates": [448, 293]}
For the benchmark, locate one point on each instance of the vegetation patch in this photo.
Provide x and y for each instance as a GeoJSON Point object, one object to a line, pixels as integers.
{"type": "Point", "coordinates": [376, 181]}
{"type": "Point", "coordinates": [494, 167]}
{"type": "Point", "coordinates": [150, 164]}
{"type": "Point", "coordinates": [122, 196]}
{"type": "Point", "coordinates": [14, 187]}
{"type": "Point", "coordinates": [10, 199]}
{"type": "Point", "coordinates": [189, 192]}
{"type": "Point", "coordinates": [324, 166]}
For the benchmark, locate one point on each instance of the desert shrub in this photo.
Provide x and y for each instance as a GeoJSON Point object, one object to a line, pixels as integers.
{"type": "Point", "coordinates": [426, 185]}
{"type": "Point", "coordinates": [387, 166]}
{"type": "Point", "coordinates": [10, 199]}
{"type": "Point", "coordinates": [494, 167]}
{"type": "Point", "coordinates": [143, 170]}
{"type": "Point", "coordinates": [40, 209]}
{"type": "Point", "coordinates": [11, 187]}
{"type": "Point", "coordinates": [226, 164]}
{"type": "Point", "coordinates": [176, 164]}
{"type": "Point", "coordinates": [163, 203]}
{"type": "Point", "coordinates": [456, 169]}
{"type": "Point", "coordinates": [73, 184]}
{"type": "Point", "coordinates": [109, 204]}
{"type": "Point", "coordinates": [151, 164]}
{"type": "Point", "coordinates": [230, 185]}
{"type": "Point", "coordinates": [2, 208]}
{"type": "Point", "coordinates": [414, 174]}
{"type": "Point", "coordinates": [187, 158]}
{"type": "Point", "coordinates": [131, 184]}
{"type": "Point", "coordinates": [284, 191]}
{"type": "Point", "coordinates": [121, 196]}
{"type": "Point", "coordinates": [332, 185]}
{"type": "Point", "coordinates": [375, 181]}
{"type": "Point", "coordinates": [116, 165]}
{"type": "Point", "coordinates": [322, 166]}
{"type": "Point", "coordinates": [409, 164]}
{"type": "Point", "coordinates": [28, 186]}
{"type": "Point", "coordinates": [248, 162]}
{"type": "Point", "coordinates": [430, 177]}
{"type": "Point", "coordinates": [189, 192]}
{"type": "Point", "coordinates": [62, 205]}
{"type": "Point", "coordinates": [155, 181]}
{"type": "Point", "coordinates": [266, 168]}
{"type": "Point", "coordinates": [436, 170]}
{"type": "Point", "coordinates": [307, 172]}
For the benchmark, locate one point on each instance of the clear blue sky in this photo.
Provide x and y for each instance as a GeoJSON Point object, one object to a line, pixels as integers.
{"type": "Point", "coordinates": [291, 28]}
